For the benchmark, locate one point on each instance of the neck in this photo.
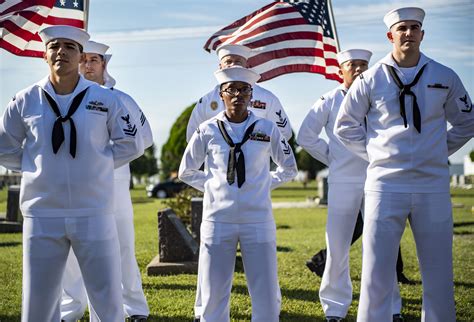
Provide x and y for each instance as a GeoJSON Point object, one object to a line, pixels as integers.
{"type": "Point", "coordinates": [64, 84]}
{"type": "Point", "coordinates": [236, 118]}
{"type": "Point", "coordinates": [406, 59]}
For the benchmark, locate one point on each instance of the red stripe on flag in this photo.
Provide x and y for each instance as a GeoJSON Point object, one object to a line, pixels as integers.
{"type": "Point", "coordinates": [17, 51]}
{"type": "Point", "coordinates": [51, 20]}
{"type": "Point", "coordinates": [261, 29]}
{"type": "Point", "coordinates": [27, 4]}
{"type": "Point", "coordinates": [18, 31]}
{"type": "Point", "coordinates": [300, 35]}
{"type": "Point", "coordinates": [237, 24]}
{"type": "Point", "coordinates": [32, 16]}
{"type": "Point", "coordinates": [270, 14]}
{"type": "Point", "coordinates": [298, 68]}
{"type": "Point", "coordinates": [254, 61]}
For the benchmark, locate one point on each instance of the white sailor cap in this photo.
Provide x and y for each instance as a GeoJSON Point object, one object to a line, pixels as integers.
{"type": "Point", "coordinates": [403, 14]}
{"type": "Point", "coordinates": [68, 32]}
{"type": "Point", "coordinates": [238, 50]}
{"type": "Point", "coordinates": [93, 47]}
{"type": "Point", "coordinates": [236, 74]}
{"type": "Point", "coordinates": [353, 54]}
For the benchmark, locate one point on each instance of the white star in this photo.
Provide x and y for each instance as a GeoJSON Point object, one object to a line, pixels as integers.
{"type": "Point", "coordinates": [76, 4]}
{"type": "Point", "coordinates": [63, 3]}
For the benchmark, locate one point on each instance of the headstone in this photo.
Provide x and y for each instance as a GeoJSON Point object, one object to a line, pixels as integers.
{"type": "Point", "coordinates": [462, 180]}
{"type": "Point", "coordinates": [13, 221]}
{"type": "Point", "coordinates": [323, 190]}
{"type": "Point", "coordinates": [178, 251]}
{"type": "Point", "coordinates": [13, 204]}
{"type": "Point", "coordinates": [454, 180]}
{"type": "Point", "coordinates": [196, 218]}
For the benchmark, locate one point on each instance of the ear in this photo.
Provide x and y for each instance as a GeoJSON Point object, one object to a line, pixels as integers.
{"type": "Point", "coordinates": [83, 58]}
{"type": "Point", "coordinates": [422, 34]}
{"type": "Point", "coordinates": [390, 36]}
{"type": "Point", "coordinates": [220, 94]}
{"type": "Point", "coordinates": [339, 72]}
{"type": "Point", "coordinates": [44, 55]}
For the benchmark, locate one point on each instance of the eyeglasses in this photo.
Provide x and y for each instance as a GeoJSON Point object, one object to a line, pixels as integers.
{"type": "Point", "coordinates": [235, 91]}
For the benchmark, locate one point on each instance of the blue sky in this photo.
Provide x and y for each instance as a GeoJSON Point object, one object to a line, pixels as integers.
{"type": "Point", "coordinates": [158, 57]}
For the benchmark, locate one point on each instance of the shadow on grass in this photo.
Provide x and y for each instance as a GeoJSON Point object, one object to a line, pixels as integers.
{"type": "Point", "coordinates": [284, 249]}
{"type": "Point", "coordinates": [170, 319]}
{"type": "Point", "coordinates": [165, 286]}
{"type": "Point", "coordinates": [463, 233]}
{"type": "Point", "coordinates": [283, 227]}
{"type": "Point", "coordinates": [295, 294]}
{"type": "Point", "coordinates": [142, 200]}
{"type": "Point", "coordinates": [10, 318]}
{"type": "Point", "coordinates": [463, 224]}
{"type": "Point", "coordinates": [9, 244]}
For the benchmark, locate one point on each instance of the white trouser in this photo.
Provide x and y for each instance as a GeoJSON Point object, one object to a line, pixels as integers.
{"type": "Point", "coordinates": [46, 244]}
{"type": "Point", "coordinates": [216, 267]}
{"type": "Point", "coordinates": [432, 225]}
{"type": "Point", "coordinates": [335, 293]}
{"type": "Point", "coordinates": [74, 300]}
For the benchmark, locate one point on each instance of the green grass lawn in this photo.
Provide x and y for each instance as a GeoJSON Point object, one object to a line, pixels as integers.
{"type": "Point", "coordinates": [300, 234]}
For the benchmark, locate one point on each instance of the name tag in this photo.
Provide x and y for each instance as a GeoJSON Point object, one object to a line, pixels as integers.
{"type": "Point", "coordinates": [96, 106]}
{"type": "Point", "coordinates": [259, 136]}
{"type": "Point", "coordinates": [438, 85]}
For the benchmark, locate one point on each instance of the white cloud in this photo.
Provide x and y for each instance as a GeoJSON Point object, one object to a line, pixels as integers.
{"type": "Point", "coordinates": [156, 34]}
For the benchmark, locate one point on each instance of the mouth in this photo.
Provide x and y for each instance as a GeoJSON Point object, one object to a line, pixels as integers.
{"type": "Point", "coordinates": [238, 102]}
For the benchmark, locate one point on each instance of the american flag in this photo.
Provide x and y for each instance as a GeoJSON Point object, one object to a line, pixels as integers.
{"type": "Point", "coordinates": [21, 20]}
{"type": "Point", "coordinates": [286, 36]}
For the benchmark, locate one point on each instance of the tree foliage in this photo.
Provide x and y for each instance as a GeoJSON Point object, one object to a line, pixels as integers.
{"type": "Point", "coordinates": [307, 163]}
{"type": "Point", "coordinates": [173, 149]}
{"type": "Point", "coordinates": [471, 155]}
{"type": "Point", "coordinates": [146, 165]}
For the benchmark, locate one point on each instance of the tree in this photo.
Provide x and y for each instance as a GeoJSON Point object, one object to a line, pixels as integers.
{"type": "Point", "coordinates": [471, 155]}
{"type": "Point", "coordinates": [173, 149]}
{"type": "Point", "coordinates": [146, 165]}
{"type": "Point", "coordinates": [307, 163]}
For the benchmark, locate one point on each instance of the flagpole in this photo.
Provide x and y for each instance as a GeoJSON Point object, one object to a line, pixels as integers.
{"type": "Point", "coordinates": [333, 23]}
{"type": "Point", "coordinates": [86, 14]}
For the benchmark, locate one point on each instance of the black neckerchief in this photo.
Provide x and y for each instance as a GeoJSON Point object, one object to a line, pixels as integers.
{"type": "Point", "coordinates": [57, 137]}
{"type": "Point", "coordinates": [235, 163]}
{"type": "Point", "coordinates": [406, 90]}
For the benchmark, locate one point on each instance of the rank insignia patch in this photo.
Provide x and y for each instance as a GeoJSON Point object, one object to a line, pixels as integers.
{"type": "Point", "coordinates": [259, 136]}
{"type": "Point", "coordinates": [214, 105]}
{"type": "Point", "coordinates": [282, 122]}
{"type": "Point", "coordinates": [130, 129]}
{"type": "Point", "coordinates": [258, 104]}
{"type": "Point", "coordinates": [96, 106]}
{"type": "Point", "coordinates": [286, 147]}
{"type": "Point", "coordinates": [466, 104]}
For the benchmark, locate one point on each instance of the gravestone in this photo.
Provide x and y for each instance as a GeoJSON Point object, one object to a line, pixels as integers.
{"type": "Point", "coordinates": [323, 190]}
{"type": "Point", "coordinates": [196, 218]}
{"type": "Point", "coordinates": [13, 204]}
{"type": "Point", "coordinates": [178, 251]}
{"type": "Point", "coordinates": [454, 180]}
{"type": "Point", "coordinates": [462, 180]}
{"type": "Point", "coordinates": [13, 220]}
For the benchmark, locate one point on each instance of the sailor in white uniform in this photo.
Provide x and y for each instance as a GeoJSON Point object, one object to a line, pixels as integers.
{"type": "Point", "coordinates": [62, 127]}
{"type": "Point", "coordinates": [407, 99]}
{"type": "Point", "coordinates": [263, 104]}
{"type": "Point", "coordinates": [237, 146]}
{"type": "Point", "coordinates": [347, 173]}
{"type": "Point", "coordinates": [74, 299]}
